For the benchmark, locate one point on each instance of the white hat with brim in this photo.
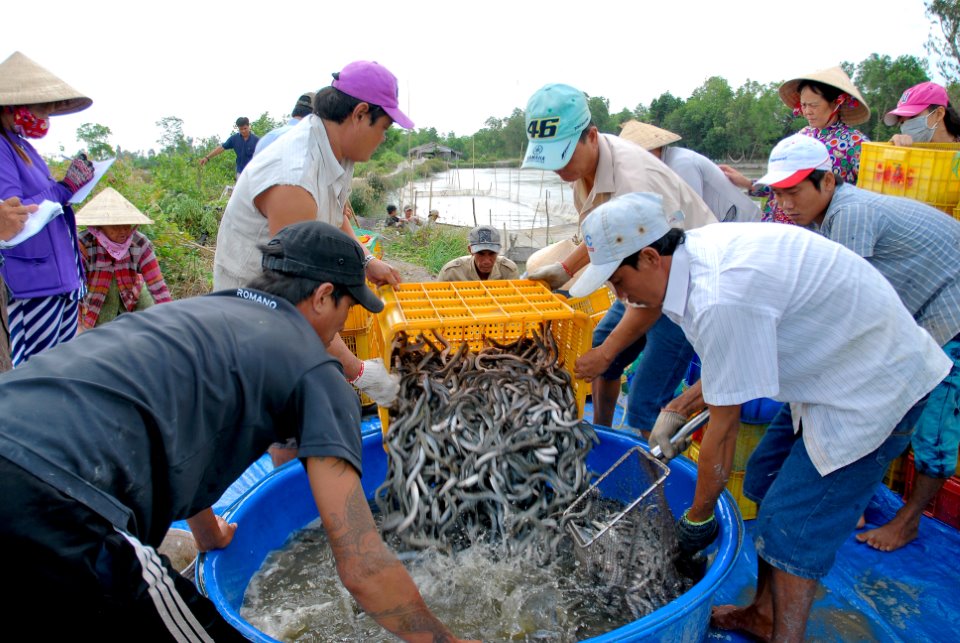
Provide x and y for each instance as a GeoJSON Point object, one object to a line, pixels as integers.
{"type": "Point", "coordinates": [793, 159]}
{"type": "Point", "coordinates": [614, 231]}
{"type": "Point", "coordinates": [647, 136]}
{"type": "Point", "coordinates": [110, 208]}
{"type": "Point", "coordinates": [853, 114]}
{"type": "Point", "coordinates": [24, 82]}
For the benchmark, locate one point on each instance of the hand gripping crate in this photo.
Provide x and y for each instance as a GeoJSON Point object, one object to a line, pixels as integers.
{"type": "Point", "coordinates": [357, 335]}
{"type": "Point", "coordinates": [928, 172]}
{"type": "Point", "coordinates": [468, 311]}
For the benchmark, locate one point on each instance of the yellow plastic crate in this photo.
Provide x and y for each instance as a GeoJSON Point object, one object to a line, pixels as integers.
{"type": "Point", "coordinates": [469, 311]}
{"type": "Point", "coordinates": [748, 508]}
{"type": "Point", "coordinates": [595, 305]}
{"type": "Point", "coordinates": [359, 339]}
{"type": "Point", "coordinates": [956, 212]}
{"type": "Point", "coordinates": [928, 172]}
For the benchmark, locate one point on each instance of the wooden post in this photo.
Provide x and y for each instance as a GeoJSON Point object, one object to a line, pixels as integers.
{"type": "Point", "coordinates": [546, 205]}
{"type": "Point", "coordinates": [491, 217]}
{"type": "Point", "coordinates": [473, 203]}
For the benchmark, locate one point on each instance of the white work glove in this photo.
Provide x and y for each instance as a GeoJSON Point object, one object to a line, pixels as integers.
{"type": "Point", "coordinates": [666, 426]}
{"type": "Point", "coordinates": [375, 381]}
{"type": "Point", "coordinates": [553, 273]}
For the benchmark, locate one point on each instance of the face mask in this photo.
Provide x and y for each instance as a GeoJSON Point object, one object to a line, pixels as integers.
{"type": "Point", "coordinates": [917, 129]}
{"type": "Point", "coordinates": [27, 125]}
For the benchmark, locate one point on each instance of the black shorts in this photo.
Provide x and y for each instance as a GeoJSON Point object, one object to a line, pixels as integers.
{"type": "Point", "coordinates": [71, 573]}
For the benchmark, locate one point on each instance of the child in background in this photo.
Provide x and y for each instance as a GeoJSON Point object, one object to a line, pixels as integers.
{"type": "Point", "coordinates": [122, 272]}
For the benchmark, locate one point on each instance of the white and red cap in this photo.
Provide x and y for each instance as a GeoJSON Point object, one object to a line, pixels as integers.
{"type": "Point", "coordinates": [373, 83]}
{"type": "Point", "coordinates": [793, 159]}
{"type": "Point", "coordinates": [915, 100]}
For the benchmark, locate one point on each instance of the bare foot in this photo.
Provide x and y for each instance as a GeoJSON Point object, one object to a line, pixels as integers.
{"type": "Point", "coordinates": [862, 522]}
{"type": "Point", "coordinates": [893, 535]}
{"type": "Point", "coordinates": [744, 619]}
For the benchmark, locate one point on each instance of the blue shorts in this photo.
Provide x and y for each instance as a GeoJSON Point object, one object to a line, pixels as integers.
{"type": "Point", "coordinates": [602, 331]}
{"type": "Point", "coordinates": [665, 360]}
{"type": "Point", "coordinates": [937, 438]}
{"type": "Point", "coordinates": [804, 517]}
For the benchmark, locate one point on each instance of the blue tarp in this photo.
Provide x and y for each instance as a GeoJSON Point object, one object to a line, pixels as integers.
{"type": "Point", "coordinates": [912, 594]}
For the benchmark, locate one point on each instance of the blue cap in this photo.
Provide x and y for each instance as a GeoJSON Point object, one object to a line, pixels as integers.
{"type": "Point", "coordinates": [555, 117]}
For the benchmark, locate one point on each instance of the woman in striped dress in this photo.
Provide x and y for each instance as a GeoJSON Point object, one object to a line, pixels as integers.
{"type": "Point", "coordinates": [44, 274]}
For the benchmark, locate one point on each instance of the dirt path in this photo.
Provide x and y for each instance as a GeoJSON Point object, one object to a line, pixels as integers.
{"type": "Point", "coordinates": [410, 272]}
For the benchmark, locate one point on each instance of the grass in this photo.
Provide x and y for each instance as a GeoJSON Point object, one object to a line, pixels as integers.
{"type": "Point", "coordinates": [430, 246]}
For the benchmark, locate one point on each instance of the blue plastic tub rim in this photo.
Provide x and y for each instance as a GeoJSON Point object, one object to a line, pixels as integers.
{"type": "Point", "coordinates": [723, 552]}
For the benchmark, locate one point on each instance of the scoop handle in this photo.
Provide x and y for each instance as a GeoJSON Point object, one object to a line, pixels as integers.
{"type": "Point", "coordinates": [695, 423]}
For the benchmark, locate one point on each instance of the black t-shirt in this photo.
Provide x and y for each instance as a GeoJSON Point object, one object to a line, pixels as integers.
{"type": "Point", "coordinates": [148, 419]}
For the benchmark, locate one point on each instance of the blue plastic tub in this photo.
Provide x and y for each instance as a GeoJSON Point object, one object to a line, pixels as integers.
{"type": "Point", "coordinates": [281, 503]}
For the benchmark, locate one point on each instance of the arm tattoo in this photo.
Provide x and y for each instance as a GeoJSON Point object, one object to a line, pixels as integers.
{"type": "Point", "coordinates": [354, 537]}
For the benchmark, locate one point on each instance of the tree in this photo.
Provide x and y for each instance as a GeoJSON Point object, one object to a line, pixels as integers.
{"type": "Point", "coordinates": [946, 15]}
{"type": "Point", "coordinates": [95, 137]}
{"type": "Point", "coordinates": [882, 80]}
{"type": "Point", "coordinates": [600, 114]}
{"type": "Point", "coordinates": [660, 108]}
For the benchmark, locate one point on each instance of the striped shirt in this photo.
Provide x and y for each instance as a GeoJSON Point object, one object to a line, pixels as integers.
{"type": "Point", "coordinates": [764, 308]}
{"type": "Point", "coordinates": [915, 246]}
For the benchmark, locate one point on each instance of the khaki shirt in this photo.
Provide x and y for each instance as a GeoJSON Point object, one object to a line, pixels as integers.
{"type": "Point", "coordinates": [626, 167]}
{"type": "Point", "coordinates": [302, 157]}
{"type": "Point", "coordinates": [464, 269]}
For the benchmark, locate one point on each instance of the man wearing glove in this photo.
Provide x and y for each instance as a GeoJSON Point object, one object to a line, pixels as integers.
{"type": "Point", "coordinates": [562, 138]}
{"type": "Point", "coordinates": [186, 396]}
{"type": "Point", "coordinates": [765, 312]}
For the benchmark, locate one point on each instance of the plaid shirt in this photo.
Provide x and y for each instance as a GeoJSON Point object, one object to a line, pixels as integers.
{"type": "Point", "coordinates": [138, 266]}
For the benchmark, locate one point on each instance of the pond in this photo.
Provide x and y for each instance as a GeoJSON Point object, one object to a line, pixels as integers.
{"type": "Point", "coordinates": [517, 199]}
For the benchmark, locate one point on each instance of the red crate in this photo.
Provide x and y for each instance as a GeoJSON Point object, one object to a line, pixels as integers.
{"type": "Point", "coordinates": [945, 506]}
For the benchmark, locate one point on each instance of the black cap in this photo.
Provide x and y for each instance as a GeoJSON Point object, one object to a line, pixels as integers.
{"type": "Point", "coordinates": [320, 251]}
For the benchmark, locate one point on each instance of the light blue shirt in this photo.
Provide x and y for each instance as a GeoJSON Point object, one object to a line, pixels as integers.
{"type": "Point", "coordinates": [274, 134]}
{"type": "Point", "coordinates": [915, 246]}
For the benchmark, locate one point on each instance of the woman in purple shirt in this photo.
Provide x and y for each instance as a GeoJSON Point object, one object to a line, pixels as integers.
{"type": "Point", "coordinates": [44, 274]}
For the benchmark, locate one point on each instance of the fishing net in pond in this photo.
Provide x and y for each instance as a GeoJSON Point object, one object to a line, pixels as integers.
{"type": "Point", "coordinates": [483, 447]}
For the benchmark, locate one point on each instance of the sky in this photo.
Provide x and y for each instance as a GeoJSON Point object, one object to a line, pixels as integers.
{"type": "Point", "coordinates": [458, 63]}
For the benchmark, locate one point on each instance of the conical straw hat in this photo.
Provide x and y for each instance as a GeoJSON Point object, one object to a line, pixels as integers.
{"type": "Point", "coordinates": [110, 208]}
{"type": "Point", "coordinates": [647, 136]}
{"type": "Point", "coordinates": [24, 82]}
{"type": "Point", "coordinates": [835, 77]}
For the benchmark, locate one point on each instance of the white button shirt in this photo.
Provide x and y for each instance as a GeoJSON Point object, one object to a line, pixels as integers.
{"type": "Point", "coordinates": [301, 157]}
{"type": "Point", "coordinates": [781, 312]}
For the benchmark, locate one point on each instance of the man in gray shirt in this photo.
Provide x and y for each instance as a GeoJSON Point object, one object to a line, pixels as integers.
{"type": "Point", "coordinates": [917, 248]}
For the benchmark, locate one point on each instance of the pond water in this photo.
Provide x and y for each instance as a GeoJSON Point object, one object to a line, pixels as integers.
{"type": "Point", "coordinates": [517, 199]}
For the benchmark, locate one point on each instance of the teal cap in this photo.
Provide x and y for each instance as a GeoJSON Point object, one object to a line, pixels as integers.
{"type": "Point", "coordinates": [556, 115]}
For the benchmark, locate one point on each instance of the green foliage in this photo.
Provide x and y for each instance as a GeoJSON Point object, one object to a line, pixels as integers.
{"type": "Point", "coordinates": [944, 39]}
{"type": "Point", "coordinates": [882, 80]}
{"type": "Point", "coordinates": [265, 124]}
{"type": "Point", "coordinates": [95, 138]}
{"type": "Point", "coordinates": [430, 246]}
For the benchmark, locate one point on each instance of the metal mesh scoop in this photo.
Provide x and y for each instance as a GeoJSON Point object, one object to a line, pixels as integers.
{"type": "Point", "coordinates": [622, 518]}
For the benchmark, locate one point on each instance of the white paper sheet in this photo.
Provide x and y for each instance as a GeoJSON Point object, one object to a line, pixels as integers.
{"type": "Point", "coordinates": [99, 169]}
{"type": "Point", "coordinates": [46, 211]}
